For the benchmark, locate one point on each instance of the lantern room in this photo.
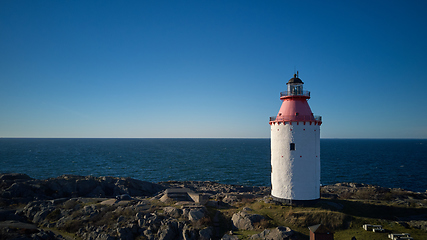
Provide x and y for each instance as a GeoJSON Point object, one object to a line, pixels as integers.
{"type": "Point", "coordinates": [295, 86]}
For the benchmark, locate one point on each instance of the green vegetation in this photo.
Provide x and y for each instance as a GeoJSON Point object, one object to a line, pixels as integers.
{"type": "Point", "coordinates": [54, 215]}
{"type": "Point", "coordinates": [344, 217]}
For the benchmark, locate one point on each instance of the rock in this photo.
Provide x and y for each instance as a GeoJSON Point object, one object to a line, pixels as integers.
{"type": "Point", "coordinates": [88, 210]}
{"type": "Point", "coordinates": [42, 214]}
{"type": "Point", "coordinates": [245, 221]}
{"type": "Point", "coordinates": [168, 231]}
{"type": "Point", "coordinates": [86, 186]}
{"type": "Point", "coordinates": [45, 235]}
{"type": "Point", "coordinates": [104, 236]}
{"type": "Point", "coordinates": [206, 233]}
{"type": "Point", "coordinates": [153, 221]}
{"type": "Point", "coordinates": [97, 192]}
{"type": "Point", "coordinates": [60, 204]}
{"type": "Point", "coordinates": [149, 234]}
{"type": "Point", "coordinates": [261, 235]}
{"type": "Point", "coordinates": [268, 200]}
{"type": "Point", "coordinates": [196, 214]}
{"type": "Point", "coordinates": [229, 237]}
{"type": "Point", "coordinates": [172, 212]}
{"type": "Point", "coordinates": [19, 190]}
{"type": "Point", "coordinates": [125, 234]}
{"type": "Point", "coordinates": [21, 187]}
{"type": "Point", "coordinates": [120, 219]}
{"type": "Point", "coordinates": [230, 199]}
{"type": "Point", "coordinates": [166, 199]}
{"type": "Point", "coordinates": [123, 197]}
{"type": "Point", "coordinates": [420, 224]}
{"type": "Point", "coordinates": [65, 185]}
{"type": "Point", "coordinates": [72, 203]}
{"type": "Point", "coordinates": [142, 188]}
{"type": "Point", "coordinates": [274, 234]}
{"type": "Point", "coordinates": [188, 233]}
{"type": "Point", "coordinates": [14, 177]}
{"type": "Point", "coordinates": [31, 209]}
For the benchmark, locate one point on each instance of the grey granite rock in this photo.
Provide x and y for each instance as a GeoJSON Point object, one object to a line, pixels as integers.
{"type": "Point", "coordinates": [206, 233]}
{"type": "Point", "coordinates": [278, 233]}
{"type": "Point", "coordinates": [244, 220]}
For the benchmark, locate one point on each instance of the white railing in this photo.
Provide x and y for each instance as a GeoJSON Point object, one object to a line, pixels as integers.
{"type": "Point", "coordinates": [295, 93]}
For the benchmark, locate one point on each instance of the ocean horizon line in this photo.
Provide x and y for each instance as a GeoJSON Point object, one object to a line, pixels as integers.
{"type": "Point", "coordinates": [361, 138]}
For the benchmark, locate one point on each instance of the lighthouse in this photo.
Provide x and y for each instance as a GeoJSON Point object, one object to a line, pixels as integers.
{"type": "Point", "coordinates": [295, 147]}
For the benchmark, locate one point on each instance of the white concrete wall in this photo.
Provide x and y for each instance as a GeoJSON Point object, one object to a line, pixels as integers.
{"type": "Point", "coordinates": [295, 174]}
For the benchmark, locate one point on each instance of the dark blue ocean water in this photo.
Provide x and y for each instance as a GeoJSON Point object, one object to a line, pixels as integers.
{"type": "Point", "coordinates": [389, 163]}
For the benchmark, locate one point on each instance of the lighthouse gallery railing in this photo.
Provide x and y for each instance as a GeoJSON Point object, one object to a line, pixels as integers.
{"type": "Point", "coordinates": [295, 93]}
{"type": "Point", "coordinates": [296, 118]}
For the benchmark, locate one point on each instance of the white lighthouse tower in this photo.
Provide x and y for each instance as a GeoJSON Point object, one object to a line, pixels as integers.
{"type": "Point", "coordinates": [295, 147]}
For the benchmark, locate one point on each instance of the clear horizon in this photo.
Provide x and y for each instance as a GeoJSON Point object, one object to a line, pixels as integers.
{"type": "Point", "coordinates": [210, 69]}
{"type": "Point", "coordinates": [199, 138]}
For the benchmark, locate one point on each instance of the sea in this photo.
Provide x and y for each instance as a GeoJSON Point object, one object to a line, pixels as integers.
{"type": "Point", "coordinates": [394, 163]}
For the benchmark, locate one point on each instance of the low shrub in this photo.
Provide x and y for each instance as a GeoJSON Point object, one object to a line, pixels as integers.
{"type": "Point", "coordinates": [332, 220]}
{"type": "Point", "coordinates": [54, 215]}
{"type": "Point", "coordinates": [73, 226]}
{"type": "Point", "coordinates": [263, 224]}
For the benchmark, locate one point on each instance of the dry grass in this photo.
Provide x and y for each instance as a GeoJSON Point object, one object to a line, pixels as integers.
{"type": "Point", "coordinates": [346, 222]}
{"type": "Point", "coordinates": [331, 219]}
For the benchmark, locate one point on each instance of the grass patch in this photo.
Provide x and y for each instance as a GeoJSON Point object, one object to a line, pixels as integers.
{"type": "Point", "coordinates": [378, 209]}
{"type": "Point", "coordinates": [344, 217]}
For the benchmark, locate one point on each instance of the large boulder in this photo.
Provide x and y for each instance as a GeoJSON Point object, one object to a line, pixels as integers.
{"type": "Point", "coordinates": [278, 233]}
{"type": "Point", "coordinates": [189, 233]}
{"type": "Point", "coordinates": [245, 220]}
{"type": "Point", "coordinates": [168, 231]}
{"type": "Point", "coordinates": [196, 214]}
{"type": "Point", "coordinates": [172, 212]}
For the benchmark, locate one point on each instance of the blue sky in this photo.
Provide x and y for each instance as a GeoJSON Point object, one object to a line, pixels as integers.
{"type": "Point", "coordinates": [210, 68]}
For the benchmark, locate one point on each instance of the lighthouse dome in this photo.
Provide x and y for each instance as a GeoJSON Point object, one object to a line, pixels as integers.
{"type": "Point", "coordinates": [295, 80]}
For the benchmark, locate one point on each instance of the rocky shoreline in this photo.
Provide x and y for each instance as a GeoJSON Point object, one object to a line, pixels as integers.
{"type": "Point", "coordinates": [87, 207]}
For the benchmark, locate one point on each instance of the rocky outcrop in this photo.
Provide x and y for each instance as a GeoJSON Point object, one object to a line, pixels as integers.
{"type": "Point", "coordinates": [22, 188]}
{"type": "Point", "coordinates": [245, 220]}
{"type": "Point", "coordinates": [93, 218]}
{"type": "Point", "coordinates": [219, 191]}
{"type": "Point", "coordinates": [371, 192]}
{"type": "Point", "coordinates": [420, 224]}
{"type": "Point", "coordinates": [123, 208]}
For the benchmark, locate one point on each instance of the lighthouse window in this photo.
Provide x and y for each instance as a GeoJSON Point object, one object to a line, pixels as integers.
{"type": "Point", "coordinates": [292, 146]}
